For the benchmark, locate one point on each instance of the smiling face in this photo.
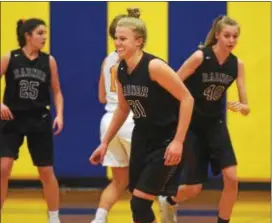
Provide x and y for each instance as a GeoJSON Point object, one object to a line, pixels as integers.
{"type": "Point", "coordinates": [127, 42]}
{"type": "Point", "coordinates": [227, 37]}
{"type": "Point", "coordinates": [37, 38]}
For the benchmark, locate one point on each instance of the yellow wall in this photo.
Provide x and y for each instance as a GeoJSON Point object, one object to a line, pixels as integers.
{"type": "Point", "coordinates": [251, 135]}
{"type": "Point", "coordinates": [11, 12]}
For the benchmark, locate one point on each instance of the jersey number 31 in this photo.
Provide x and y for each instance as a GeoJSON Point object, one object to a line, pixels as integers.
{"type": "Point", "coordinates": [137, 108]}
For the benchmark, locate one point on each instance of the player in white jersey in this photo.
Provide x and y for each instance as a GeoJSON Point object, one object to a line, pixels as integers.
{"type": "Point", "coordinates": [118, 153]}
{"type": "Point", "coordinates": [119, 149]}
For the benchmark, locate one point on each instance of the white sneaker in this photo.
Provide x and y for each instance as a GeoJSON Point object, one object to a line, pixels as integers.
{"type": "Point", "coordinates": [168, 212]}
{"type": "Point", "coordinates": [97, 221]}
{"type": "Point", "coordinates": [55, 220]}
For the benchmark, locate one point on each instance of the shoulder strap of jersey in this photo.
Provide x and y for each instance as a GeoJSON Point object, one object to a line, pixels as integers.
{"type": "Point", "coordinates": [14, 52]}
{"type": "Point", "coordinates": [120, 71]}
{"type": "Point", "coordinates": [234, 60]}
{"type": "Point", "coordinates": [44, 54]}
{"type": "Point", "coordinates": [207, 51]}
{"type": "Point", "coordinates": [234, 57]}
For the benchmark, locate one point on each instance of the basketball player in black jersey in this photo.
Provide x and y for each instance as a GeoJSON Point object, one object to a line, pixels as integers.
{"type": "Point", "coordinates": [30, 74]}
{"type": "Point", "coordinates": [208, 73]}
{"type": "Point", "coordinates": [152, 90]}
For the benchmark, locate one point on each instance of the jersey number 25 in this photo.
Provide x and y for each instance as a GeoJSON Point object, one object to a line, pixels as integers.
{"type": "Point", "coordinates": [29, 89]}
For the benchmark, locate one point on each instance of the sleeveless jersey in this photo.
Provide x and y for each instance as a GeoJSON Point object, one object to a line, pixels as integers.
{"type": "Point", "coordinates": [150, 103]}
{"type": "Point", "coordinates": [27, 81]}
{"type": "Point", "coordinates": [209, 83]}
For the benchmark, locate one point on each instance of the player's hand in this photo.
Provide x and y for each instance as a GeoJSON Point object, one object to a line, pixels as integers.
{"type": "Point", "coordinates": [98, 155]}
{"type": "Point", "coordinates": [6, 114]}
{"type": "Point", "coordinates": [57, 125]}
{"type": "Point", "coordinates": [173, 153]}
{"type": "Point", "coordinates": [236, 106]}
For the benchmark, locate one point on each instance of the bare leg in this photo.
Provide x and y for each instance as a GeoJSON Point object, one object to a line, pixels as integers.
{"type": "Point", "coordinates": [229, 194]}
{"type": "Point", "coordinates": [6, 166]}
{"type": "Point", "coordinates": [187, 192]}
{"type": "Point", "coordinates": [112, 193]}
{"type": "Point", "coordinates": [167, 205]}
{"type": "Point", "coordinates": [51, 191]}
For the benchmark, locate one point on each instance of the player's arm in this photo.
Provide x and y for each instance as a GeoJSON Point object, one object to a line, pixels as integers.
{"type": "Point", "coordinates": [4, 64]}
{"type": "Point", "coordinates": [119, 117]}
{"type": "Point", "coordinates": [241, 86]}
{"type": "Point", "coordinates": [6, 114]}
{"type": "Point", "coordinates": [190, 65]}
{"type": "Point", "coordinates": [55, 87]}
{"type": "Point", "coordinates": [168, 79]}
{"type": "Point", "coordinates": [101, 87]}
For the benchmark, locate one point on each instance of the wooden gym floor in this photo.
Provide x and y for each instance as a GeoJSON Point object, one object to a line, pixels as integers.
{"type": "Point", "coordinates": [78, 206]}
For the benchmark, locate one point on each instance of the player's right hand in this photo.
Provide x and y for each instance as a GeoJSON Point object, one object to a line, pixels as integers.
{"type": "Point", "coordinates": [98, 155]}
{"type": "Point", "coordinates": [6, 114]}
{"type": "Point", "coordinates": [173, 153]}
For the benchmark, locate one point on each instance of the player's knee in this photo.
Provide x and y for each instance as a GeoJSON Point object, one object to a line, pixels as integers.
{"type": "Point", "coordinates": [120, 184]}
{"type": "Point", "coordinates": [141, 210]}
{"type": "Point", "coordinates": [6, 166]}
{"type": "Point", "coordinates": [46, 174]}
{"type": "Point", "coordinates": [194, 190]}
{"type": "Point", "coordinates": [231, 183]}
{"type": "Point", "coordinates": [120, 178]}
{"type": "Point", "coordinates": [230, 179]}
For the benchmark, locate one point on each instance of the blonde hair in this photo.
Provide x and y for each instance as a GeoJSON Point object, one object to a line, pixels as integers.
{"type": "Point", "coordinates": [131, 12]}
{"type": "Point", "coordinates": [217, 27]}
{"type": "Point", "coordinates": [135, 23]}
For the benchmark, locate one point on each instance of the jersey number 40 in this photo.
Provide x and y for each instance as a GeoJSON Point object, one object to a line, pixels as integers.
{"type": "Point", "coordinates": [213, 92]}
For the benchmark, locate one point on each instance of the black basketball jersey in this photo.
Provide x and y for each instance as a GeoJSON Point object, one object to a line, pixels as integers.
{"type": "Point", "coordinates": [150, 103]}
{"type": "Point", "coordinates": [27, 81]}
{"type": "Point", "coordinates": [209, 83]}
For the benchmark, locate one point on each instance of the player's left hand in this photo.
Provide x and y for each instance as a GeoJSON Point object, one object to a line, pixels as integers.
{"type": "Point", "coordinates": [173, 153]}
{"type": "Point", "coordinates": [58, 125]}
{"type": "Point", "coordinates": [237, 106]}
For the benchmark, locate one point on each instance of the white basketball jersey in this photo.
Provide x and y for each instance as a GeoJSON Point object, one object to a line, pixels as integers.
{"type": "Point", "coordinates": [110, 76]}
